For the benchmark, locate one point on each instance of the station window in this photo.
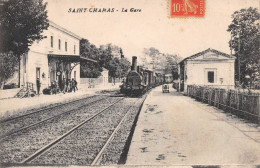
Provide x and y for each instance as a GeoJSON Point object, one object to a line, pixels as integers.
{"type": "Point", "coordinates": [66, 44]}
{"type": "Point", "coordinates": [51, 41]}
{"type": "Point", "coordinates": [210, 76]}
{"type": "Point", "coordinates": [59, 44]}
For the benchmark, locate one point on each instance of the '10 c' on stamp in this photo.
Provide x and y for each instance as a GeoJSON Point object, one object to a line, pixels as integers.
{"type": "Point", "coordinates": [186, 8]}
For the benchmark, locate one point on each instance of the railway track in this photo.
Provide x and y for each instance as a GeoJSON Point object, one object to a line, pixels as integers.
{"type": "Point", "coordinates": [37, 153]}
{"type": "Point", "coordinates": [20, 123]}
{"type": "Point", "coordinates": [98, 158]}
{"type": "Point", "coordinates": [89, 139]}
{"type": "Point", "coordinates": [42, 109]}
{"type": "Point", "coordinates": [16, 147]}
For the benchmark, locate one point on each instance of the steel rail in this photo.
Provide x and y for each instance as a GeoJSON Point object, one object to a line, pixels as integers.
{"type": "Point", "coordinates": [47, 119]}
{"type": "Point", "coordinates": [46, 108]}
{"type": "Point", "coordinates": [97, 160]}
{"type": "Point", "coordinates": [54, 142]}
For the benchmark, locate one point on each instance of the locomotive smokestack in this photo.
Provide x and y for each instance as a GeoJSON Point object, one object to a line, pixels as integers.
{"type": "Point", "coordinates": [134, 63]}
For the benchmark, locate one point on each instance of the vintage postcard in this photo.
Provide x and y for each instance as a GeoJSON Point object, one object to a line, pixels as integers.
{"type": "Point", "coordinates": [130, 83]}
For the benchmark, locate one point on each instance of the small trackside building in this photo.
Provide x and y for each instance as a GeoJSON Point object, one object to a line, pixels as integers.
{"type": "Point", "coordinates": [207, 68]}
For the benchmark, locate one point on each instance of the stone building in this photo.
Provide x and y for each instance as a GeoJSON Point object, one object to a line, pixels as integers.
{"type": "Point", "coordinates": [210, 67]}
{"type": "Point", "coordinates": [52, 59]}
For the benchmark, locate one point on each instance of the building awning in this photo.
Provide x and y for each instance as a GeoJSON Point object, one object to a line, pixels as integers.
{"type": "Point", "coordinates": [71, 58]}
{"type": "Point", "coordinates": [87, 59]}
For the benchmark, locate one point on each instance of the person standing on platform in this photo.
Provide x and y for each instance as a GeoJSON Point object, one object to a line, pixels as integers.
{"type": "Point", "coordinates": [69, 85]}
{"type": "Point", "coordinates": [64, 85]}
{"type": "Point", "coordinates": [76, 84]}
{"type": "Point", "coordinates": [55, 87]}
{"type": "Point", "coordinates": [38, 85]}
{"type": "Point", "coordinates": [73, 84]}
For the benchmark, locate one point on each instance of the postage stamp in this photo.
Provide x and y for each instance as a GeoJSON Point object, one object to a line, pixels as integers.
{"type": "Point", "coordinates": [187, 8]}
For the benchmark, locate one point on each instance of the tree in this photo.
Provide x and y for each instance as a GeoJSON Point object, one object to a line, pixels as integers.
{"type": "Point", "coordinates": [168, 63]}
{"type": "Point", "coordinates": [106, 56]}
{"type": "Point", "coordinates": [21, 23]}
{"type": "Point", "coordinates": [118, 68]}
{"type": "Point", "coordinates": [114, 68]}
{"type": "Point", "coordinates": [172, 65]}
{"type": "Point", "coordinates": [8, 62]}
{"type": "Point", "coordinates": [151, 56]}
{"type": "Point", "coordinates": [245, 41]}
{"type": "Point", "coordinates": [121, 53]}
{"type": "Point", "coordinates": [89, 69]}
{"type": "Point", "coordinates": [124, 67]}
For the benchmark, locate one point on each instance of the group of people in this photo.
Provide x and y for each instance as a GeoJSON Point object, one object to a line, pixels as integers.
{"type": "Point", "coordinates": [66, 85]}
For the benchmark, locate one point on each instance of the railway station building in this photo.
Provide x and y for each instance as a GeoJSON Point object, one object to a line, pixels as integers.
{"type": "Point", "coordinates": [52, 59]}
{"type": "Point", "coordinates": [207, 68]}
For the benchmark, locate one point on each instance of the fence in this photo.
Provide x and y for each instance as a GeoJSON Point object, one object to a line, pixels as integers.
{"type": "Point", "coordinates": [91, 82]}
{"type": "Point", "coordinates": [243, 104]}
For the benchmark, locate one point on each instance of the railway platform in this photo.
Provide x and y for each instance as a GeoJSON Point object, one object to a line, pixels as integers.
{"type": "Point", "coordinates": [11, 106]}
{"type": "Point", "coordinates": [173, 129]}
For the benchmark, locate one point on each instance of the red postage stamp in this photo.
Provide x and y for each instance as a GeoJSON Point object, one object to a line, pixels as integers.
{"type": "Point", "coordinates": [187, 8]}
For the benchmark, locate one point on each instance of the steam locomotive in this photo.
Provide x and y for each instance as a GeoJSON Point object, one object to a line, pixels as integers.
{"type": "Point", "coordinates": [140, 79]}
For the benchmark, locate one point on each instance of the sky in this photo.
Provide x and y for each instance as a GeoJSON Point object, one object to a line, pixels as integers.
{"type": "Point", "coordinates": [152, 27]}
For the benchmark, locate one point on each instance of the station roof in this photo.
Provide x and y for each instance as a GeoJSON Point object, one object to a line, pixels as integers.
{"type": "Point", "coordinates": [64, 30]}
{"type": "Point", "coordinates": [205, 51]}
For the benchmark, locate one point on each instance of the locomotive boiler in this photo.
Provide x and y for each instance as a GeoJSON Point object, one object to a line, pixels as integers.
{"type": "Point", "coordinates": [140, 79]}
{"type": "Point", "coordinates": [134, 81]}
